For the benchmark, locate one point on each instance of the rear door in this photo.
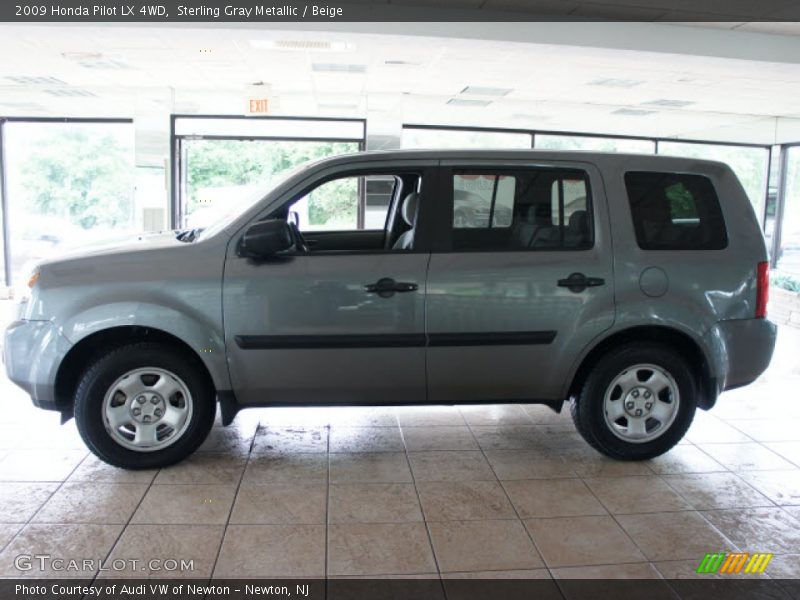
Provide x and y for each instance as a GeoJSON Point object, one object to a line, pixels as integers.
{"type": "Point", "coordinates": [520, 281]}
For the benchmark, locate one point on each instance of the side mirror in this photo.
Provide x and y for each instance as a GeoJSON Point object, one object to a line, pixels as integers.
{"type": "Point", "coordinates": [266, 238]}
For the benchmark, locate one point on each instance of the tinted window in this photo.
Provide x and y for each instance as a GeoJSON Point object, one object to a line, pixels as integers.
{"type": "Point", "coordinates": [531, 209]}
{"type": "Point", "coordinates": [674, 211]}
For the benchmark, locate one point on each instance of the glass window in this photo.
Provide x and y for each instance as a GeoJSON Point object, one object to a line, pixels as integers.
{"type": "Point", "coordinates": [749, 164]}
{"type": "Point", "coordinates": [462, 138]}
{"type": "Point", "coordinates": [336, 205]}
{"type": "Point", "coordinates": [530, 209]}
{"type": "Point", "coordinates": [68, 184]}
{"type": "Point", "coordinates": [674, 211]}
{"type": "Point", "coordinates": [596, 144]}
{"type": "Point", "coordinates": [219, 175]}
{"type": "Point", "coordinates": [789, 254]}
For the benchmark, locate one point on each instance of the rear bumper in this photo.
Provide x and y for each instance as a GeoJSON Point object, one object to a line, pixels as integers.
{"type": "Point", "coordinates": [32, 352]}
{"type": "Point", "coordinates": [743, 349]}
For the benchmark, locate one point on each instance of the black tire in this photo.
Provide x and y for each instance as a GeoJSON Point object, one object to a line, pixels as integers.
{"type": "Point", "coordinates": [108, 368]}
{"type": "Point", "coordinates": [588, 411]}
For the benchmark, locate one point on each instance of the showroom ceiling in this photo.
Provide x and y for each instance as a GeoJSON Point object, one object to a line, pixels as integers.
{"type": "Point", "coordinates": [667, 85]}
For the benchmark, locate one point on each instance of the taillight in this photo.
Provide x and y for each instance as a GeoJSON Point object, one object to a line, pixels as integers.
{"type": "Point", "coordinates": [762, 289]}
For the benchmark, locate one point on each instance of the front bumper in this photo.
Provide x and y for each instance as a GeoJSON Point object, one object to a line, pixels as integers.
{"type": "Point", "coordinates": [743, 349]}
{"type": "Point", "coordinates": [32, 352]}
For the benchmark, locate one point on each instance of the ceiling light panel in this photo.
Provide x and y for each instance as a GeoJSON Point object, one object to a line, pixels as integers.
{"type": "Point", "coordinates": [477, 90]}
{"type": "Point", "coordinates": [338, 68]}
{"type": "Point", "coordinates": [468, 102]}
{"type": "Point", "coordinates": [34, 80]}
{"type": "Point", "coordinates": [633, 112]}
{"type": "Point", "coordinates": [616, 83]}
{"type": "Point", "coordinates": [668, 103]}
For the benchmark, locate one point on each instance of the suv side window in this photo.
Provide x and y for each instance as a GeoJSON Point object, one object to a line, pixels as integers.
{"type": "Point", "coordinates": [521, 209]}
{"type": "Point", "coordinates": [675, 211]}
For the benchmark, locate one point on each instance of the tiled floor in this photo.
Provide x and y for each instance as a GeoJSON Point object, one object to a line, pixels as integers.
{"type": "Point", "coordinates": [492, 491]}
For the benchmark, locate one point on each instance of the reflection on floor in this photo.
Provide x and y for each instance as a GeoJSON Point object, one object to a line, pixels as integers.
{"type": "Point", "coordinates": [501, 490]}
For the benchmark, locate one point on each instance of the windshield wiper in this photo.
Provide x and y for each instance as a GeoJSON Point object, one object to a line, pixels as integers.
{"type": "Point", "coordinates": [189, 235]}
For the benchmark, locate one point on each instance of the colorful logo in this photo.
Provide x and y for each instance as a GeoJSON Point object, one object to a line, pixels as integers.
{"type": "Point", "coordinates": [734, 563]}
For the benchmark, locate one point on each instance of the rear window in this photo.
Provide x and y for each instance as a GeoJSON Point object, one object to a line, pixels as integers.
{"type": "Point", "coordinates": [675, 211]}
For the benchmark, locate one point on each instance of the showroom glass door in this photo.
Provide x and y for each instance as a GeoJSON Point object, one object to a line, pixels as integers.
{"type": "Point", "coordinates": [68, 184]}
{"type": "Point", "coordinates": [222, 162]}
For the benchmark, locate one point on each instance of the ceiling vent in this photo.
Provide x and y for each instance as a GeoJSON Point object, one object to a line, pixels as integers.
{"type": "Point", "coordinates": [303, 45]}
{"type": "Point", "coordinates": [633, 112]}
{"type": "Point", "coordinates": [34, 80]}
{"type": "Point", "coordinates": [477, 90]}
{"type": "Point", "coordinates": [668, 103]}
{"type": "Point", "coordinates": [616, 83]}
{"type": "Point", "coordinates": [70, 93]}
{"type": "Point", "coordinates": [465, 102]}
{"type": "Point", "coordinates": [338, 68]}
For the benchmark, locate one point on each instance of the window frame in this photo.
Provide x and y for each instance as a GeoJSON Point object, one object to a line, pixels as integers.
{"type": "Point", "coordinates": [444, 243]}
{"type": "Point", "coordinates": [635, 229]}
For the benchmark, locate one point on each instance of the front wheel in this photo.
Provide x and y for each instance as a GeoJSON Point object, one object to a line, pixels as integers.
{"type": "Point", "coordinates": [144, 405]}
{"type": "Point", "coordinates": [637, 402]}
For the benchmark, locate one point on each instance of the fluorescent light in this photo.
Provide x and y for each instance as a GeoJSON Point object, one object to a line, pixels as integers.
{"type": "Point", "coordinates": [338, 68]}
{"type": "Point", "coordinates": [616, 83]}
{"type": "Point", "coordinates": [466, 102]}
{"type": "Point", "coordinates": [303, 45]}
{"type": "Point", "coordinates": [668, 103]}
{"type": "Point", "coordinates": [486, 91]}
{"type": "Point", "coordinates": [35, 80]}
{"type": "Point", "coordinates": [633, 112]}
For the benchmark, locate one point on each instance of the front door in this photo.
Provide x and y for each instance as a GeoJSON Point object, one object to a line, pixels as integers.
{"type": "Point", "coordinates": [521, 282]}
{"type": "Point", "coordinates": [343, 321]}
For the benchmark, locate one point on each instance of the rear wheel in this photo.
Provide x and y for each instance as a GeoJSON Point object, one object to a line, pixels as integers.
{"type": "Point", "coordinates": [637, 402]}
{"type": "Point", "coordinates": [144, 405]}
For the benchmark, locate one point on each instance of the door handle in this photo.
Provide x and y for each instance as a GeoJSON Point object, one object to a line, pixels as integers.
{"type": "Point", "coordinates": [577, 282]}
{"type": "Point", "coordinates": [386, 287]}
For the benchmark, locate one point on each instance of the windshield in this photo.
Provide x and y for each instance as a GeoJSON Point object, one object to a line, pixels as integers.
{"type": "Point", "coordinates": [237, 207]}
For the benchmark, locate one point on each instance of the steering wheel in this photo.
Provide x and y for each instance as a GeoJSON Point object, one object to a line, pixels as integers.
{"type": "Point", "coordinates": [299, 240]}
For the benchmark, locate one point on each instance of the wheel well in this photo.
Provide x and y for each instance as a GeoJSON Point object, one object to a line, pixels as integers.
{"type": "Point", "coordinates": [84, 352]}
{"type": "Point", "coordinates": [680, 342]}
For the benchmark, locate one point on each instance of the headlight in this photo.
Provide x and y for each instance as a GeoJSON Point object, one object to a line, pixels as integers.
{"type": "Point", "coordinates": [23, 289]}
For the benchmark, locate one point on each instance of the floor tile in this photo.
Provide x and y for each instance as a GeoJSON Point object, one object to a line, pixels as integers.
{"type": "Point", "coordinates": [509, 437]}
{"type": "Point", "coordinates": [685, 459]}
{"type": "Point", "coordinates": [429, 416]}
{"type": "Point", "coordinates": [68, 542]}
{"type": "Point", "coordinates": [788, 450]}
{"type": "Point", "coordinates": [673, 536]}
{"type": "Point", "coordinates": [450, 466]}
{"type": "Point", "coordinates": [362, 416]}
{"type": "Point", "coordinates": [228, 440]}
{"type": "Point", "coordinates": [486, 545]}
{"type": "Point", "coordinates": [286, 468]}
{"type": "Point", "coordinates": [710, 430]}
{"type": "Point", "coordinates": [280, 504]}
{"type": "Point", "coordinates": [7, 532]}
{"type": "Point", "coordinates": [144, 543]}
{"type": "Point", "coordinates": [552, 498]}
{"type": "Point", "coordinates": [621, 495]}
{"type": "Point", "coordinates": [758, 529]}
{"type": "Point", "coordinates": [544, 415]}
{"type": "Point", "coordinates": [371, 467]}
{"type": "Point", "coordinates": [89, 502]}
{"type": "Point", "coordinates": [464, 500]}
{"type": "Point", "coordinates": [366, 439]}
{"type": "Point", "coordinates": [495, 414]}
{"type": "Point", "coordinates": [577, 541]}
{"type": "Point", "coordinates": [528, 464]}
{"type": "Point", "coordinates": [746, 457]}
{"type": "Point", "coordinates": [770, 430]}
{"type": "Point", "coordinates": [782, 487]}
{"type": "Point", "coordinates": [588, 462]}
{"type": "Point", "coordinates": [40, 465]}
{"type": "Point", "coordinates": [542, 573]}
{"type": "Point", "coordinates": [290, 439]}
{"type": "Point", "coordinates": [19, 501]}
{"type": "Point", "coordinates": [205, 467]}
{"type": "Point", "coordinates": [786, 566]}
{"type": "Point", "coordinates": [627, 571]}
{"type": "Point", "coordinates": [94, 469]}
{"type": "Point", "coordinates": [185, 504]}
{"type": "Point", "coordinates": [716, 490]}
{"type": "Point", "coordinates": [259, 551]}
{"type": "Point", "coordinates": [379, 549]}
{"type": "Point", "coordinates": [373, 503]}
{"type": "Point", "coordinates": [421, 439]}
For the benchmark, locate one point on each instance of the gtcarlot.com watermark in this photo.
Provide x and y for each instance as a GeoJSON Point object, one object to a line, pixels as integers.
{"type": "Point", "coordinates": [50, 563]}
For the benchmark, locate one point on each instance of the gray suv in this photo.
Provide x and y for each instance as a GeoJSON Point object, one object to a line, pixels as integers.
{"type": "Point", "coordinates": [633, 286]}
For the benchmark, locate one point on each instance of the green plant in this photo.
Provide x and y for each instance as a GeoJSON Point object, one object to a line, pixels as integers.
{"type": "Point", "coordinates": [786, 282]}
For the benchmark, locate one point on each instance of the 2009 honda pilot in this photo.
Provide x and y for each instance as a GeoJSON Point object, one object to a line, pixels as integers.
{"type": "Point", "coordinates": [633, 286]}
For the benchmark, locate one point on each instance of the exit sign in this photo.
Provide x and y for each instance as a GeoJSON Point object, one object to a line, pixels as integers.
{"type": "Point", "coordinates": [258, 106]}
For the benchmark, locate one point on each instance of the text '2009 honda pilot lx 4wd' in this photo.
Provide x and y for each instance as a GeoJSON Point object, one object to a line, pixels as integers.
{"type": "Point", "coordinates": [634, 286]}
